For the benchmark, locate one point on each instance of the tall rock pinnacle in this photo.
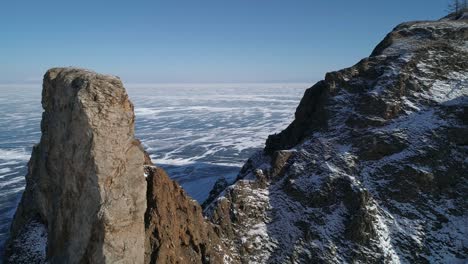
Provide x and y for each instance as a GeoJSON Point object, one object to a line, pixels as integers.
{"type": "Point", "coordinates": [86, 190]}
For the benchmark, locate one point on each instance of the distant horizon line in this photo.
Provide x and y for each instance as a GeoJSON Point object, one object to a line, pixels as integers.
{"type": "Point", "coordinates": [176, 84]}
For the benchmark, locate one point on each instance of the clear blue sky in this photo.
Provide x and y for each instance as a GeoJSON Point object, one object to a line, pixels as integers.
{"type": "Point", "coordinates": [198, 40]}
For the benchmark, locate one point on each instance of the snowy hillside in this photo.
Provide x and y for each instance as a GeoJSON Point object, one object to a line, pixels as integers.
{"type": "Point", "coordinates": [374, 166]}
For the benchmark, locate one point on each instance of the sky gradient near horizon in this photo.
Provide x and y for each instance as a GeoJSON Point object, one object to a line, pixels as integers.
{"type": "Point", "coordinates": [204, 41]}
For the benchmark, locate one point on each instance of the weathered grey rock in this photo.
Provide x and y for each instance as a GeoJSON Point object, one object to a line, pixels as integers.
{"type": "Point", "coordinates": [85, 183]}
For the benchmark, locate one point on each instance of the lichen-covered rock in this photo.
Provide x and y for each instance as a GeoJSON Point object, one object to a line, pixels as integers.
{"type": "Point", "coordinates": [85, 184]}
{"type": "Point", "coordinates": [376, 168]}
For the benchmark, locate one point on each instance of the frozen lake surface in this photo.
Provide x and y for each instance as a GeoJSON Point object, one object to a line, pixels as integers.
{"type": "Point", "coordinates": [196, 132]}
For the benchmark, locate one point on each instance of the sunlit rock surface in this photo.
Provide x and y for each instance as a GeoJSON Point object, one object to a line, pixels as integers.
{"type": "Point", "coordinates": [85, 184]}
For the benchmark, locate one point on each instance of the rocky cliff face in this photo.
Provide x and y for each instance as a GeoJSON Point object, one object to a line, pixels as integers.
{"type": "Point", "coordinates": [86, 196]}
{"type": "Point", "coordinates": [373, 169]}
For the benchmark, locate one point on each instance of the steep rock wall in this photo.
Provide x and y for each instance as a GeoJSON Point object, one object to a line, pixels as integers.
{"type": "Point", "coordinates": [85, 183]}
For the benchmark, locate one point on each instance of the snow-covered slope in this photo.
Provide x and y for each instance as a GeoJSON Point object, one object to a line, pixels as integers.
{"type": "Point", "coordinates": [373, 168]}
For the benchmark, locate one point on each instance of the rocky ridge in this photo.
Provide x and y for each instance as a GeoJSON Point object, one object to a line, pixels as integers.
{"type": "Point", "coordinates": [373, 169]}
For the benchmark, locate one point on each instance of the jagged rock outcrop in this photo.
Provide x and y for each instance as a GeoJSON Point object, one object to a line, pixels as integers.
{"type": "Point", "coordinates": [176, 231]}
{"type": "Point", "coordinates": [373, 169]}
{"type": "Point", "coordinates": [219, 186]}
{"type": "Point", "coordinates": [85, 190]}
